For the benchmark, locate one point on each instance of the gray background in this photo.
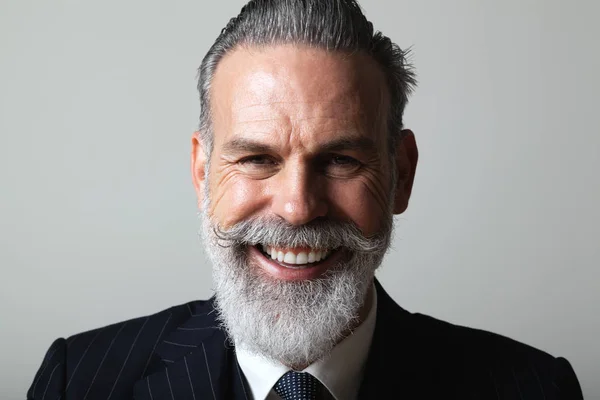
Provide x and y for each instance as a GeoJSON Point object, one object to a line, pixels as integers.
{"type": "Point", "coordinates": [98, 215]}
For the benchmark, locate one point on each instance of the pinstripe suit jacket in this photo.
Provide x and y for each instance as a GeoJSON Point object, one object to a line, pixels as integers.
{"type": "Point", "coordinates": [180, 353]}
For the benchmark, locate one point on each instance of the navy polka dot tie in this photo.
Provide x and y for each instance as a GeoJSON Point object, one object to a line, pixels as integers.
{"type": "Point", "coordinates": [298, 386]}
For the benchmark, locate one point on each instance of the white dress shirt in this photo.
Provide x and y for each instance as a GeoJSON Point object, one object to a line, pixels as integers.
{"type": "Point", "coordinates": [341, 372]}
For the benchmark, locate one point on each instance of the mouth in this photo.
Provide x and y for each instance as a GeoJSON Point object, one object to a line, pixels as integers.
{"type": "Point", "coordinates": [295, 258]}
{"type": "Point", "coordinates": [294, 263]}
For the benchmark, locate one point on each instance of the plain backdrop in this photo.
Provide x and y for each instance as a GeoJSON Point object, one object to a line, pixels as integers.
{"type": "Point", "coordinates": [98, 214]}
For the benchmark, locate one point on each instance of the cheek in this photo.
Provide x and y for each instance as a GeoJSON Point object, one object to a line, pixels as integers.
{"type": "Point", "coordinates": [235, 200]}
{"type": "Point", "coordinates": [358, 202]}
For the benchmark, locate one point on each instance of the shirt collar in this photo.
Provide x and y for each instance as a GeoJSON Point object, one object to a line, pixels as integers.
{"type": "Point", "coordinates": [340, 372]}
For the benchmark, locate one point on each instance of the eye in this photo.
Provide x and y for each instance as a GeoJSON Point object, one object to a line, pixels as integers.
{"type": "Point", "coordinates": [340, 160]}
{"type": "Point", "coordinates": [258, 160]}
{"type": "Point", "coordinates": [338, 165]}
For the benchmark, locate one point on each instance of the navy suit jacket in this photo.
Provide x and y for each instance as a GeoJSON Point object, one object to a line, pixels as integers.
{"type": "Point", "coordinates": [181, 353]}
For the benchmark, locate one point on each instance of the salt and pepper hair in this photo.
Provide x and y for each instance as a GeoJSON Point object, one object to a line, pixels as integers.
{"type": "Point", "coordinates": [333, 25]}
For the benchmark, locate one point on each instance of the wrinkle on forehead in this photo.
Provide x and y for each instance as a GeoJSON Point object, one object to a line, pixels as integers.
{"type": "Point", "coordinates": [292, 84]}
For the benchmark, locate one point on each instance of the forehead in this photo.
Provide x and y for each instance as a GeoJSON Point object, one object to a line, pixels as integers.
{"type": "Point", "coordinates": [258, 86]}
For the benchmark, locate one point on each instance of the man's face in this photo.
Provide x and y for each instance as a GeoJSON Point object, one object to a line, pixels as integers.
{"type": "Point", "coordinates": [297, 203]}
{"type": "Point", "coordinates": [299, 134]}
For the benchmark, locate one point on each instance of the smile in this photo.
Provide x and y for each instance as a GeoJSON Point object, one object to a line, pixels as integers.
{"type": "Point", "coordinates": [294, 256]}
{"type": "Point", "coordinates": [294, 263]}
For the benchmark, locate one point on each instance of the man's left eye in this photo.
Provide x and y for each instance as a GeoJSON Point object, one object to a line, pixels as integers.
{"type": "Point", "coordinates": [339, 160]}
{"type": "Point", "coordinates": [338, 165]}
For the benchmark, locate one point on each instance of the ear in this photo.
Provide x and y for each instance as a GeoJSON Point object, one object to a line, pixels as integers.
{"type": "Point", "coordinates": [407, 156]}
{"type": "Point", "coordinates": [198, 164]}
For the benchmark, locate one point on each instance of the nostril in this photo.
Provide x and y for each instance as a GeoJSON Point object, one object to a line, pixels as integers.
{"type": "Point", "coordinates": [302, 212]}
{"type": "Point", "coordinates": [298, 207]}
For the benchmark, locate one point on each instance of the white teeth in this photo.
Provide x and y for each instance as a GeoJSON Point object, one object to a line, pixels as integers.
{"type": "Point", "coordinates": [302, 258]}
{"type": "Point", "coordinates": [289, 258]}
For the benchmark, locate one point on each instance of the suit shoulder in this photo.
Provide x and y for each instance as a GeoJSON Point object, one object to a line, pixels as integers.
{"type": "Point", "coordinates": [144, 330]}
{"type": "Point", "coordinates": [504, 360]}
{"type": "Point", "coordinates": [479, 342]}
{"type": "Point", "coordinates": [119, 353]}
{"type": "Point", "coordinates": [168, 317]}
{"type": "Point", "coordinates": [49, 378]}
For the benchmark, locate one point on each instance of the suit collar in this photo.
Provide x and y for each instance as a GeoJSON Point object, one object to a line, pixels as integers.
{"type": "Point", "coordinates": [200, 326]}
{"type": "Point", "coordinates": [194, 361]}
{"type": "Point", "coordinates": [386, 346]}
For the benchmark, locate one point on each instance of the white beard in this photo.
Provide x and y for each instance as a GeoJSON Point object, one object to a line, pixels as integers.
{"type": "Point", "coordinates": [292, 322]}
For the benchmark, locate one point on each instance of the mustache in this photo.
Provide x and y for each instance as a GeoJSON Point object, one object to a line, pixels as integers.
{"type": "Point", "coordinates": [320, 233]}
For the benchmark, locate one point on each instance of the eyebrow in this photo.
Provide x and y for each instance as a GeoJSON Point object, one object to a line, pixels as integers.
{"type": "Point", "coordinates": [350, 143]}
{"type": "Point", "coordinates": [239, 145]}
{"type": "Point", "coordinates": [362, 143]}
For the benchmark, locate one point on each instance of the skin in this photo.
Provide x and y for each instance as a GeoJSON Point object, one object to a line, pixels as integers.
{"type": "Point", "coordinates": [300, 133]}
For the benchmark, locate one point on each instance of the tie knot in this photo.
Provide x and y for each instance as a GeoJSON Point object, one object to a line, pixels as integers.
{"type": "Point", "coordinates": [298, 386]}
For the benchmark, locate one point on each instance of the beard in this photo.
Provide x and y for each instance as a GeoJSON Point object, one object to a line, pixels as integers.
{"type": "Point", "coordinates": [291, 322]}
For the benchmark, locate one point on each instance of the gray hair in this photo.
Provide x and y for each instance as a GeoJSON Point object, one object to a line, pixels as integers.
{"type": "Point", "coordinates": [334, 25]}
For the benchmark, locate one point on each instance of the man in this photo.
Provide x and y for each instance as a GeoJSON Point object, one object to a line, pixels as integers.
{"type": "Point", "coordinates": [299, 165]}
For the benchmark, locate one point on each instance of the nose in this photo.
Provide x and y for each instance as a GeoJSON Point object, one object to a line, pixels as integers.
{"type": "Point", "coordinates": [298, 196]}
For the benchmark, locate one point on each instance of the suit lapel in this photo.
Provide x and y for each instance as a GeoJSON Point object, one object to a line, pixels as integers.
{"type": "Point", "coordinates": [388, 352]}
{"type": "Point", "coordinates": [401, 359]}
{"type": "Point", "coordinates": [194, 361]}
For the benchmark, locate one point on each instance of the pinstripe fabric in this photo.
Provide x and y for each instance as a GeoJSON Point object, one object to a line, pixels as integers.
{"type": "Point", "coordinates": [180, 353]}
